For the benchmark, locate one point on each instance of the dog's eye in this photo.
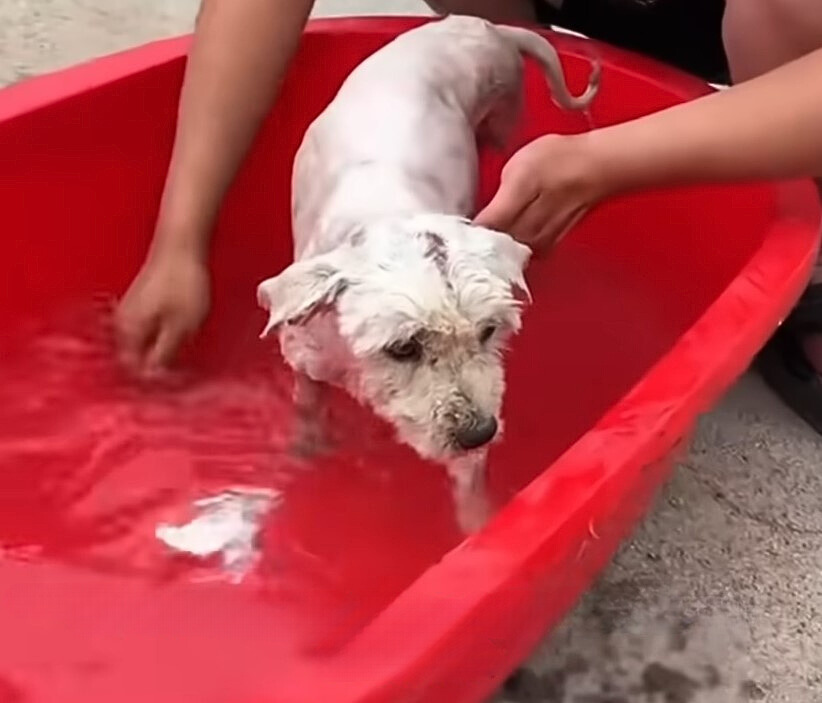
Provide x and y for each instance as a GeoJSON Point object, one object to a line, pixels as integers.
{"type": "Point", "coordinates": [487, 333]}
{"type": "Point", "coordinates": [410, 350]}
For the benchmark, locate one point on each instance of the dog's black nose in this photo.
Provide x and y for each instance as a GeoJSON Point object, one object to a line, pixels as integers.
{"type": "Point", "coordinates": [479, 432]}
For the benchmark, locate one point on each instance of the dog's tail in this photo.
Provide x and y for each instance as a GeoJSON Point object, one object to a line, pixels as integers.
{"type": "Point", "coordinates": [538, 47]}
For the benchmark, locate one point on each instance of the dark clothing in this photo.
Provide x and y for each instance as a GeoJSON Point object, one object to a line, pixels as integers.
{"type": "Point", "coordinates": [684, 33]}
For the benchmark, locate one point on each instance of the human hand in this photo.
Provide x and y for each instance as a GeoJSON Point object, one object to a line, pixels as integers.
{"type": "Point", "coordinates": [167, 301]}
{"type": "Point", "coordinates": [546, 188]}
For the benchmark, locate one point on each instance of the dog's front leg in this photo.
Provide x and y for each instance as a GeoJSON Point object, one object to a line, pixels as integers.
{"type": "Point", "coordinates": [311, 409]}
{"type": "Point", "coordinates": [471, 501]}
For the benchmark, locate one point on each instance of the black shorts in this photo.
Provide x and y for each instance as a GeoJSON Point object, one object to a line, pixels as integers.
{"type": "Point", "coordinates": [684, 33]}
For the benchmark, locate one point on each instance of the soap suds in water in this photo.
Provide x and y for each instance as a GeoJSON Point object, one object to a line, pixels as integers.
{"type": "Point", "coordinates": [227, 524]}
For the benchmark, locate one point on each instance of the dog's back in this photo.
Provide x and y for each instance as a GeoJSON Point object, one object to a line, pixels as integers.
{"type": "Point", "coordinates": [399, 138]}
{"type": "Point", "coordinates": [394, 296]}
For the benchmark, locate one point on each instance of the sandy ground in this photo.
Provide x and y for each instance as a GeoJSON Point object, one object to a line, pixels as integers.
{"type": "Point", "coordinates": [717, 597]}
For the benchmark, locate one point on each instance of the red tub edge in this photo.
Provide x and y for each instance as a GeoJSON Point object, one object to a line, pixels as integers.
{"type": "Point", "coordinates": [641, 430]}
{"type": "Point", "coordinates": [35, 93]}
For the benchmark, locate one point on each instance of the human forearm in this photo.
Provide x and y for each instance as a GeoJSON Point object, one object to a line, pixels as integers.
{"type": "Point", "coordinates": [241, 50]}
{"type": "Point", "coordinates": [769, 127]}
{"type": "Point", "coordinates": [240, 53]}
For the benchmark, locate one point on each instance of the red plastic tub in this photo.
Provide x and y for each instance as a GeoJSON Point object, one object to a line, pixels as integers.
{"type": "Point", "coordinates": [365, 592]}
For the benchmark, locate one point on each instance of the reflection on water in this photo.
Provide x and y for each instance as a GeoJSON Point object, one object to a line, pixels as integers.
{"type": "Point", "coordinates": [91, 462]}
{"type": "Point", "coordinates": [226, 525]}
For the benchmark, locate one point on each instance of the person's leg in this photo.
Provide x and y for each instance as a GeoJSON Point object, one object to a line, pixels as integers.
{"type": "Point", "coordinates": [759, 36]}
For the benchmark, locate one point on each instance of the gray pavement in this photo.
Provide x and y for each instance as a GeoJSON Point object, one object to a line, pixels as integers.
{"type": "Point", "coordinates": [717, 597]}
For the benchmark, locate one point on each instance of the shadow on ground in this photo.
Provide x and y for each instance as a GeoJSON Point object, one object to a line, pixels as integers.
{"type": "Point", "coordinates": [717, 597]}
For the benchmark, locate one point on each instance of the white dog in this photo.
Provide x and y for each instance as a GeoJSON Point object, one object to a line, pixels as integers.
{"type": "Point", "coordinates": [394, 294]}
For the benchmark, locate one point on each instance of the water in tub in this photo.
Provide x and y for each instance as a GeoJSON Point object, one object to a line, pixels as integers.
{"type": "Point", "coordinates": [135, 507]}
{"type": "Point", "coordinates": [190, 480]}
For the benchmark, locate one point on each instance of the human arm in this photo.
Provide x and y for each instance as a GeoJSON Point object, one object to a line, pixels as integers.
{"type": "Point", "coordinates": [240, 53]}
{"type": "Point", "coordinates": [768, 127]}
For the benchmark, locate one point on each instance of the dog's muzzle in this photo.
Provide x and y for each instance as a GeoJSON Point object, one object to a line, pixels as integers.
{"type": "Point", "coordinates": [476, 433]}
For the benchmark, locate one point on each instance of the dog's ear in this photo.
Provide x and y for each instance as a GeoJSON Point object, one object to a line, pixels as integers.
{"type": "Point", "coordinates": [508, 259]}
{"type": "Point", "coordinates": [299, 290]}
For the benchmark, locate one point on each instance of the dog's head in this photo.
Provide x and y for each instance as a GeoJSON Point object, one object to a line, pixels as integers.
{"type": "Point", "coordinates": [424, 305]}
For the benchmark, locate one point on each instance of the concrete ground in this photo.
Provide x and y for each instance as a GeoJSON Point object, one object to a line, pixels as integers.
{"type": "Point", "coordinates": [717, 597]}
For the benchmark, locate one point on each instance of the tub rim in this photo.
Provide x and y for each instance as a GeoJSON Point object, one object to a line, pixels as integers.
{"type": "Point", "coordinates": [641, 428]}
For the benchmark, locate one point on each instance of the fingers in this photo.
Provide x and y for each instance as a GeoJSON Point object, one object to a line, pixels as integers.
{"type": "Point", "coordinates": [148, 346]}
{"type": "Point", "coordinates": [134, 338]}
{"type": "Point", "coordinates": [161, 353]}
{"type": "Point", "coordinates": [531, 220]}
{"type": "Point", "coordinates": [506, 206]}
{"type": "Point", "coordinates": [559, 232]}
{"type": "Point", "coordinates": [554, 230]}
{"type": "Point", "coordinates": [535, 222]}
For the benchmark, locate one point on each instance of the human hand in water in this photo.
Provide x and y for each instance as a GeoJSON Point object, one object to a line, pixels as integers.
{"type": "Point", "coordinates": [167, 302]}
{"type": "Point", "coordinates": [545, 189]}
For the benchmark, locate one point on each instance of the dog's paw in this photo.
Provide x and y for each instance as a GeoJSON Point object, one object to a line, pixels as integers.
{"type": "Point", "coordinates": [309, 446]}
{"type": "Point", "coordinates": [311, 439]}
